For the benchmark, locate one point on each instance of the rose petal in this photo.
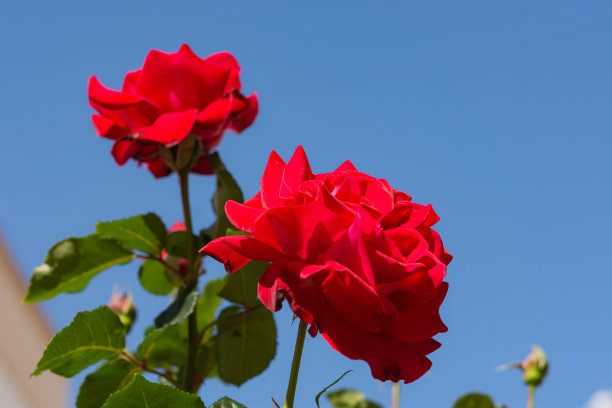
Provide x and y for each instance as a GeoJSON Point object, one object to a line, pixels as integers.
{"type": "Point", "coordinates": [235, 251]}
{"type": "Point", "coordinates": [271, 181]}
{"type": "Point", "coordinates": [245, 115]}
{"type": "Point", "coordinates": [389, 359]}
{"type": "Point", "coordinates": [241, 216]}
{"type": "Point", "coordinates": [169, 129]}
{"type": "Point", "coordinates": [296, 171]}
{"type": "Point", "coordinates": [181, 80]}
{"type": "Point", "coordinates": [419, 322]}
{"type": "Point", "coordinates": [123, 150]}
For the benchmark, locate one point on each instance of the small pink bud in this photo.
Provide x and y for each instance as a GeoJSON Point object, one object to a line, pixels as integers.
{"type": "Point", "coordinates": [122, 303]}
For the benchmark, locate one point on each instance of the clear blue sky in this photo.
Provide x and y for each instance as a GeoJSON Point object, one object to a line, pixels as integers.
{"type": "Point", "coordinates": [497, 113]}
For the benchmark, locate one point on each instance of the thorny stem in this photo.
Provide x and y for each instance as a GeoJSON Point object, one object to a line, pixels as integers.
{"type": "Point", "coordinates": [143, 366]}
{"type": "Point", "coordinates": [295, 365]}
{"type": "Point", "coordinates": [192, 276]}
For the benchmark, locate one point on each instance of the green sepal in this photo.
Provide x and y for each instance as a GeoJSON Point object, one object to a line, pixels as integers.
{"type": "Point", "coordinates": [109, 378]}
{"type": "Point", "coordinates": [246, 343]}
{"type": "Point", "coordinates": [146, 233]}
{"type": "Point", "coordinates": [72, 263]}
{"type": "Point", "coordinates": [140, 393]}
{"type": "Point", "coordinates": [89, 338]}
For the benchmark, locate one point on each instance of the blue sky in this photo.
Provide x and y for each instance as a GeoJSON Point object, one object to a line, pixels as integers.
{"type": "Point", "coordinates": [497, 113]}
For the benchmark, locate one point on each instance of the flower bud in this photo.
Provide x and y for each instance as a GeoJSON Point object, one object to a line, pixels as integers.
{"type": "Point", "coordinates": [534, 367]}
{"type": "Point", "coordinates": [123, 305]}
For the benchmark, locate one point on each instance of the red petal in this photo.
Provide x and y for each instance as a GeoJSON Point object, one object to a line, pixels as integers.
{"type": "Point", "coordinates": [388, 358]}
{"type": "Point", "coordinates": [123, 150]}
{"type": "Point", "coordinates": [181, 80]}
{"type": "Point", "coordinates": [235, 251]}
{"type": "Point", "coordinates": [242, 216]}
{"type": "Point", "coordinates": [202, 166]}
{"type": "Point", "coordinates": [126, 110]}
{"type": "Point", "coordinates": [346, 166]}
{"type": "Point", "coordinates": [349, 308]}
{"type": "Point", "coordinates": [158, 168]}
{"type": "Point", "coordinates": [245, 117]}
{"type": "Point", "coordinates": [296, 171]}
{"type": "Point", "coordinates": [170, 129]}
{"type": "Point", "coordinates": [271, 181]}
{"type": "Point", "coordinates": [270, 288]}
{"type": "Point", "coordinates": [225, 59]}
{"type": "Point", "coordinates": [107, 128]}
{"type": "Point", "coordinates": [417, 323]}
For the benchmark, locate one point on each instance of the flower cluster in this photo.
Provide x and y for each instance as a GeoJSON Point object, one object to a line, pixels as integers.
{"type": "Point", "coordinates": [354, 258]}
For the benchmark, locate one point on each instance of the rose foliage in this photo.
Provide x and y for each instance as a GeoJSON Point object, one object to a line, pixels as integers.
{"type": "Point", "coordinates": [353, 257]}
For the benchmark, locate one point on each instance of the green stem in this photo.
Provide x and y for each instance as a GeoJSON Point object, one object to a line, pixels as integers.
{"type": "Point", "coordinates": [192, 276]}
{"type": "Point", "coordinates": [295, 365]}
{"type": "Point", "coordinates": [395, 395]}
{"type": "Point", "coordinates": [530, 392]}
{"type": "Point", "coordinates": [143, 366]}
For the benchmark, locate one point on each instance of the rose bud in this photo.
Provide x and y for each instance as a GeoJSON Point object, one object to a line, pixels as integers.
{"type": "Point", "coordinates": [123, 305]}
{"type": "Point", "coordinates": [535, 367]}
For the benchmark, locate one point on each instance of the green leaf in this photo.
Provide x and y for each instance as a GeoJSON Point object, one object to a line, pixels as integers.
{"type": "Point", "coordinates": [329, 386]}
{"type": "Point", "coordinates": [162, 348]}
{"type": "Point", "coordinates": [227, 189]}
{"type": "Point", "coordinates": [225, 402]}
{"type": "Point", "coordinates": [246, 343]}
{"type": "Point", "coordinates": [241, 286]}
{"type": "Point", "coordinates": [206, 307]}
{"type": "Point", "coordinates": [176, 244]}
{"type": "Point", "coordinates": [141, 393]}
{"type": "Point", "coordinates": [70, 265]}
{"type": "Point", "coordinates": [109, 378]}
{"type": "Point", "coordinates": [207, 359]}
{"type": "Point", "coordinates": [179, 309]}
{"type": "Point", "coordinates": [350, 399]}
{"type": "Point", "coordinates": [155, 279]}
{"type": "Point", "coordinates": [91, 337]}
{"type": "Point", "coordinates": [146, 233]}
{"type": "Point", "coordinates": [474, 400]}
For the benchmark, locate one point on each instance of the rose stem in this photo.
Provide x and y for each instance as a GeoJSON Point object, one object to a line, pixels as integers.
{"type": "Point", "coordinates": [395, 395]}
{"type": "Point", "coordinates": [192, 276]}
{"type": "Point", "coordinates": [295, 365]}
{"type": "Point", "coordinates": [530, 392]}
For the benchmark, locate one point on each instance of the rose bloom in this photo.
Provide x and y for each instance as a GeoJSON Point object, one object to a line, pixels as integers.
{"type": "Point", "coordinates": [172, 96]}
{"type": "Point", "coordinates": [354, 258]}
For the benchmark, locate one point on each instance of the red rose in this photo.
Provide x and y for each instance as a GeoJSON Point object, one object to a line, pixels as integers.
{"type": "Point", "coordinates": [172, 96]}
{"type": "Point", "coordinates": [354, 258]}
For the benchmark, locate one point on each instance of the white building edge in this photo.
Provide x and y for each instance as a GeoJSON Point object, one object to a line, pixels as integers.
{"type": "Point", "coordinates": [24, 334]}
